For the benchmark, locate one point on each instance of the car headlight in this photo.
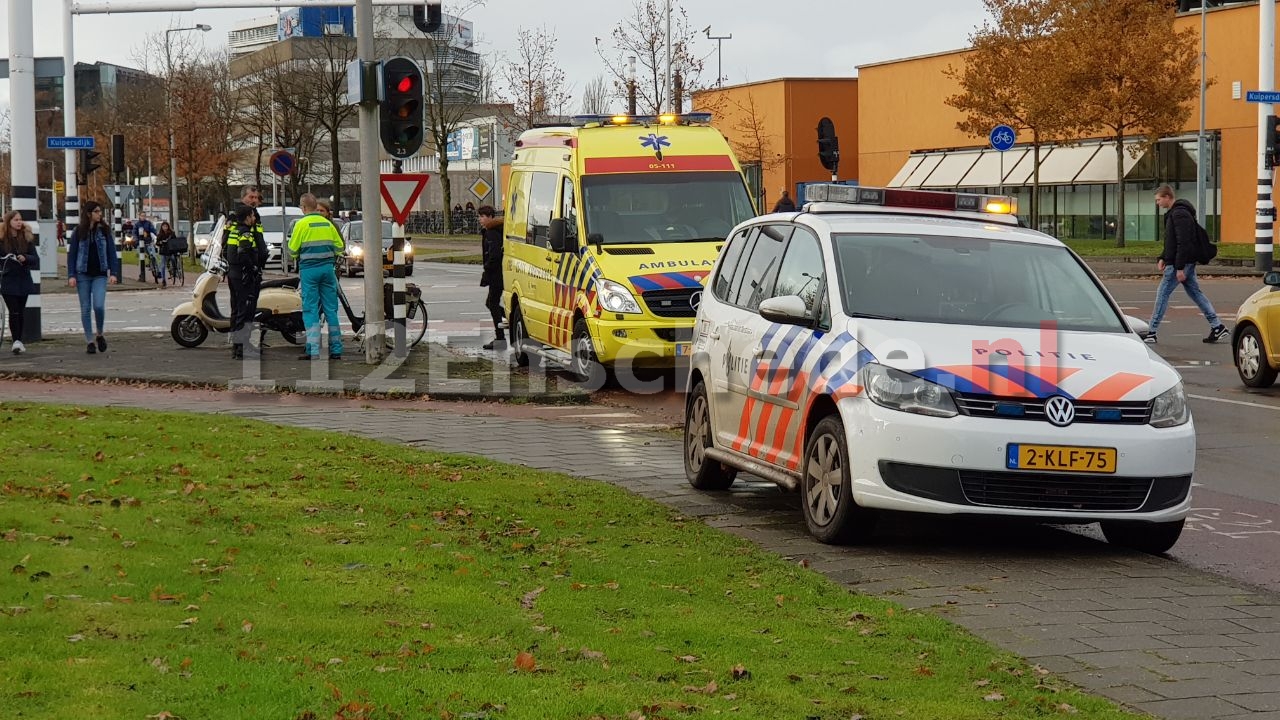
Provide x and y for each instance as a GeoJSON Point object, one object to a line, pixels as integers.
{"type": "Point", "coordinates": [356, 251]}
{"type": "Point", "coordinates": [616, 298]}
{"type": "Point", "coordinates": [1170, 408]}
{"type": "Point", "coordinates": [898, 390]}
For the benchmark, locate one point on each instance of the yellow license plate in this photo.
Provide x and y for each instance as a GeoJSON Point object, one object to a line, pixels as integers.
{"type": "Point", "coordinates": [1061, 458]}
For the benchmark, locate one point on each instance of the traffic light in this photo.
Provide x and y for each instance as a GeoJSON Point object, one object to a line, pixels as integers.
{"type": "Point", "coordinates": [89, 163]}
{"type": "Point", "coordinates": [1273, 141]}
{"type": "Point", "coordinates": [400, 108]}
{"type": "Point", "coordinates": [117, 154]}
{"type": "Point", "coordinates": [427, 16]}
{"type": "Point", "coordinates": [828, 145]}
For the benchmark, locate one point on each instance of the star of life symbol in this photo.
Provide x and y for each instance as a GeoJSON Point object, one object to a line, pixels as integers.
{"type": "Point", "coordinates": [655, 142]}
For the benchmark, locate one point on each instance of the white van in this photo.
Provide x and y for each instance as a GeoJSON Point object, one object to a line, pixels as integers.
{"type": "Point", "coordinates": [276, 221]}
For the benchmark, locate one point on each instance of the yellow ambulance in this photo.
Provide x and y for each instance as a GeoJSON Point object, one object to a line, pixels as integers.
{"type": "Point", "coordinates": [612, 224]}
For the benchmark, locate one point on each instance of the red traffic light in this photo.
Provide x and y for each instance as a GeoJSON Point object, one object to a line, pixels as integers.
{"type": "Point", "coordinates": [405, 84]}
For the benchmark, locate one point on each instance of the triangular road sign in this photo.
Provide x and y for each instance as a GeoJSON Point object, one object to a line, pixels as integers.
{"type": "Point", "coordinates": [401, 193]}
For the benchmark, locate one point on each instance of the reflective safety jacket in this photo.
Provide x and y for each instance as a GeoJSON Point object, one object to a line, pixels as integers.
{"type": "Point", "coordinates": [245, 247]}
{"type": "Point", "coordinates": [315, 241]}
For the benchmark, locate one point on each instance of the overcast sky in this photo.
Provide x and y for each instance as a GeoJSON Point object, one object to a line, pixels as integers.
{"type": "Point", "coordinates": [770, 39]}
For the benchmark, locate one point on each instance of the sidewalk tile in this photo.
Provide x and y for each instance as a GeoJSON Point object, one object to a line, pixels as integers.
{"type": "Point", "coordinates": [1257, 702]}
{"type": "Point", "coordinates": [1126, 642]}
{"type": "Point", "coordinates": [1191, 709]}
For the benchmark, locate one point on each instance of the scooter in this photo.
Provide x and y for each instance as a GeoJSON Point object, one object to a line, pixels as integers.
{"type": "Point", "coordinates": [279, 304]}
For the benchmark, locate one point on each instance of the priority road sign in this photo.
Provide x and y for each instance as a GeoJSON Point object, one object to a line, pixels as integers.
{"type": "Point", "coordinates": [401, 192]}
{"type": "Point", "coordinates": [480, 188]}
{"type": "Point", "coordinates": [68, 143]}
{"type": "Point", "coordinates": [1263, 96]}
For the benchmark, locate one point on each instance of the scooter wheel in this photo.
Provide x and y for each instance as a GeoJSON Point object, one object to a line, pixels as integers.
{"type": "Point", "coordinates": [188, 331]}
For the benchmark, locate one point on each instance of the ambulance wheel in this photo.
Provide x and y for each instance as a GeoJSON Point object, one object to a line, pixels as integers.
{"type": "Point", "coordinates": [826, 490]}
{"type": "Point", "coordinates": [703, 472]}
{"type": "Point", "coordinates": [519, 334]}
{"type": "Point", "coordinates": [188, 331]}
{"type": "Point", "coordinates": [586, 367]}
{"type": "Point", "coordinates": [1155, 538]}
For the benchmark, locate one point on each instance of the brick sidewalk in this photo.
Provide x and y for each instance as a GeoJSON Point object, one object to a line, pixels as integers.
{"type": "Point", "coordinates": [1142, 630]}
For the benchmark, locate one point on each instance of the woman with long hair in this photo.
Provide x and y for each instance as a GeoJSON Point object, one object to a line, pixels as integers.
{"type": "Point", "coordinates": [18, 257]}
{"type": "Point", "coordinates": [163, 236]}
{"type": "Point", "coordinates": [92, 264]}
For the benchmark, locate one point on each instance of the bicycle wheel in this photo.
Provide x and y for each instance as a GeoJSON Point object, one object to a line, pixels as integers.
{"type": "Point", "coordinates": [415, 325]}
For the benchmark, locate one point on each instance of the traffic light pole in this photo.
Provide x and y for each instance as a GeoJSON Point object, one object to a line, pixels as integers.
{"type": "Point", "coordinates": [22, 97]}
{"type": "Point", "coordinates": [69, 121]}
{"type": "Point", "coordinates": [370, 195]}
{"type": "Point", "coordinates": [1265, 208]}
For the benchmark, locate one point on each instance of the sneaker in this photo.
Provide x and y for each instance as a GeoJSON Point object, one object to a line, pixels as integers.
{"type": "Point", "coordinates": [18, 347]}
{"type": "Point", "coordinates": [496, 344]}
{"type": "Point", "coordinates": [102, 344]}
{"type": "Point", "coordinates": [308, 358]}
{"type": "Point", "coordinates": [1150, 339]}
{"type": "Point", "coordinates": [92, 349]}
{"type": "Point", "coordinates": [335, 356]}
{"type": "Point", "coordinates": [1216, 334]}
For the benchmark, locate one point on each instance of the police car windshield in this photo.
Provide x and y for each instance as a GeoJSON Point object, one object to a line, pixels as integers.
{"type": "Point", "coordinates": [969, 281]}
{"type": "Point", "coordinates": [643, 208]}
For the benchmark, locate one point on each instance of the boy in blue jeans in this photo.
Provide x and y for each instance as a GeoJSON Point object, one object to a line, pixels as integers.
{"type": "Point", "coordinates": [1178, 264]}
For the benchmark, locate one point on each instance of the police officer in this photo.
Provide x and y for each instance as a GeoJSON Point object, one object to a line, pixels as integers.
{"type": "Point", "coordinates": [246, 256]}
{"type": "Point", "coordinates": [315, 244]}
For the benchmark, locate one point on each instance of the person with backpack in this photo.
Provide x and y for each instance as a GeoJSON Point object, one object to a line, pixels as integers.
{"type": "Point", "coordinates": [1185, 244]}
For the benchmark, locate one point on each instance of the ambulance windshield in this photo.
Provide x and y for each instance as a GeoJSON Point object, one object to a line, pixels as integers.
{"type": "Point", "coordinates": [643, 208]}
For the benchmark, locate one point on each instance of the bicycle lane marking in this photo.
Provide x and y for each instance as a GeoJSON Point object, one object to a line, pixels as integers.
{"type": "Point", "coordinates": [1232, 536]}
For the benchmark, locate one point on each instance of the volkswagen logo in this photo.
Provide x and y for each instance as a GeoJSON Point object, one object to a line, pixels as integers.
{"type": "Point", "coordinates": [695, 300]}
{"type": "Point", "coordinates": [1059, 410]}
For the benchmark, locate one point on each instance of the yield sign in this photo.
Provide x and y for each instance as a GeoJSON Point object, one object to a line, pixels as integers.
{"type": "Point", "coordinates": [401, 191]}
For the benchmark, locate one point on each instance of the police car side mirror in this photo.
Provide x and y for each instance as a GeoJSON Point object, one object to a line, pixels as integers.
{"type": "Point", "coordinates": [1139, 327]}
{"type": "Point", "coordinates": [1272, 278]}
{"type": "Point", "coordinates": [558, 236]}
{"type": "Point", "coordinates": [786, 309]}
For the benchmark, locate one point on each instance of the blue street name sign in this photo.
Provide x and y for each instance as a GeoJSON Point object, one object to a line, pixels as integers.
{"type": "Point", "coordinates": [1263, 96]}
{"type": "Point", "coordinates": [69, 143]}
{"type": "Point", "coordinates": [1003, 137]}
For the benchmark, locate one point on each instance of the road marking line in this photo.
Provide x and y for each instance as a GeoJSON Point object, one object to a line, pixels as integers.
{"type": "Point", "coordinates": [602, 415]}
{"type": "Point", "coordinates": [1235, 402]}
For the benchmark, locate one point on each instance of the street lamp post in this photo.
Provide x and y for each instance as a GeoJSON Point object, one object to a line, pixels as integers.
{"type": "Point", "coordinates": [1202, 169]}
{"type": "Point", "coordinates": [173, 150]}
{"type": "Point", "coordinates": [719, 57]}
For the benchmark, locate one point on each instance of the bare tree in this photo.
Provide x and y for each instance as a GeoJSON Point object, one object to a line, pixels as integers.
{"type": "Point", "coordinates": [323, 101]}
{"type": "Point", "coordinates": [6, 158]}
{"type": "Point", "coordinates": [642, 35]}
{"type": "Point", "coordinates": [595, 96]}
{"type": "Point", "coordinates": [534, 81]}
{"type": "Point", "coordinates": [281, 103]}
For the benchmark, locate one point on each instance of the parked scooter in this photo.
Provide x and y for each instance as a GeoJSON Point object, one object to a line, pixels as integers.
{"type": "Point", "coordinates": [279, 304]}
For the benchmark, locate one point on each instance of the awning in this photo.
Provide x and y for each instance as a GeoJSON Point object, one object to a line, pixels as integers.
{"type": "Point", "coordinates": [1089, 163]}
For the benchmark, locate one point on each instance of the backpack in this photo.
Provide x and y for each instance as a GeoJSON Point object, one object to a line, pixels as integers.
{"type": "Point", "coordinates": [1206, 249]}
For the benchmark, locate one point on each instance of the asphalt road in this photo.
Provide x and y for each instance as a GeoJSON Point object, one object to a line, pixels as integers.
{"type": "Point", "coordinates": [1234, 530]}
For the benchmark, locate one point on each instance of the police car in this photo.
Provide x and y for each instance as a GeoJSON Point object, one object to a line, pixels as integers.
{"type": "Point", "coordinates": [889, 349]}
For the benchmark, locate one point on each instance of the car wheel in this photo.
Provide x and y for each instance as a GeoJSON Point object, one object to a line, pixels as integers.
{"type": "Point", "coordinates": [519, 334]}
{"type": "Point", "coordinates": [585, 366]}
{"type": "Point", "coordinates": [188, 331]}
{"type": "Point", "coordinates": [1148, 537]}
{"type": "Point", "coordinates": [826, 491]}
{"type": "Point", "coordinates": [703, 472]}
{"type": "Point", "coordinates": [1251, 359]}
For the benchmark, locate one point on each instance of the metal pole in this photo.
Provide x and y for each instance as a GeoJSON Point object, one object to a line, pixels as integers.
{"type": "Point", "coordinates": [1201, 155]}
{"type": "Point", "coordinates": [173, 148]}
{"type": "Point", "coordinates": [666, 84]}
{"type": "Point", "coordinates": [1265, 209]}
{"type": "Point", "coordinates": [399, 312]}
{"type": "Point", "coordinates": [69, 121]}
{"type": "Point", "coordinates": [22, 98]}
{"type": "Point", "coordinates": [370, 196]}
{"type": "Point", "coordinates": [103, 7]}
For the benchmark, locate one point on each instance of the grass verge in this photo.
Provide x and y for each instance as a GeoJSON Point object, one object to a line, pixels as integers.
{"type": "Point", "coordinates": [183, 566]}
{"type": "Point", "coordinates": [475, 259]}
{"type": "Point", "coordinates": [1107, 248]}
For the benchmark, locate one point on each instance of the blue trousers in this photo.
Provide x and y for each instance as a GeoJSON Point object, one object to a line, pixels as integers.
{"type": "Point", "coordinates": [1167, 284]}
{"type": "Point", "coordinates": [93, 302]}
{"type": "Point", "coordinates": [320, 295]}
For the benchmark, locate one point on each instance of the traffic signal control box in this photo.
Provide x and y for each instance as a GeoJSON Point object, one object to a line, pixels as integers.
{"type": "Point", "coordinates": [400, 101]}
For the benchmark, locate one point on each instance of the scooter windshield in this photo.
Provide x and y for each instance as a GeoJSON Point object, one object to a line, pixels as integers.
{"type": "Point", "coordinates": [212, 259]}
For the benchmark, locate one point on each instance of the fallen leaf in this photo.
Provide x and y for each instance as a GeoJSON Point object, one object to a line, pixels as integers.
{"type": "Point", "coordinates": [590, 654]}
{"type": "Point", "coordinates": [163, 715]}
{"type": "Point", "coordinates": [924, 670]}
{"type": "Point", "coordinates": [1065, 708]}
{"type": "Point", "coordinates": [99, 456]}
{"type": "Point", "coordinates": [889, 612]}
{"type": "Point", "coordinates": [530, 597]}
{"type": "Point", "coordinates": [525, 662]}
{"type": "Point", "coordinates": [188, 488]}
{"type": "Point", "coordinates": [75, 638]}
{"type": "Point", "coordinates": [982, 683]}
{"type": "Point", "coordinates": [688, 658]}
{"type": "Point", "coordinates": [994, 697]}
{"type": "Point", "coordinates": [246, 626]}
{"type": "Point", "coordinates": [741, 673]}
{"type": "Point", "coordinates": [709, 689]}
{"type": "Point", "coordinates": [778, 599]}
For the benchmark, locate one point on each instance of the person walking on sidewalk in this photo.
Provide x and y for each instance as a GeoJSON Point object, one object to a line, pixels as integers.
{"type": "Point", "coordinates": [246, 257]}
{"type": "Point", "coordinates": [491, 275]}
{"type": "Point", "coordinates": [92, 264]}
{"type": "Point", "coordinates": [1177, 264]}
{"type": "Point", "coordinates": [19, 258]}
{"type": "Point", "coordinates": [315, 245]}
{"type": "Point", "coordinates": [785, 203]}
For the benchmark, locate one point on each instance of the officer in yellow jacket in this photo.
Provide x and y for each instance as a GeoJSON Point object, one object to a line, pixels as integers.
{"type": "Point", "coordinates": [316, 245]}
{"type": "Point", "coordinates": [246, 256]}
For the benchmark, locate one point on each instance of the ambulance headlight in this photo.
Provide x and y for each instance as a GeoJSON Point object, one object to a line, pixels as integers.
{"type": "Point", "coordinates": [898, 390]}
{"type": "Point", "coordinates": [616, 298]}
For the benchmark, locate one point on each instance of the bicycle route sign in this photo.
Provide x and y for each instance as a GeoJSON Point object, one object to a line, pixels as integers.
{"type": "Point", "coordinates": [1003, 137]}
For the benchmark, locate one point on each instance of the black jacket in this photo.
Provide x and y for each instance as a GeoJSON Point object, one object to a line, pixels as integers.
{"type": "Point", "coordinates": [491, 252]}
{"type": "Point", "coordinates": [785, 204]}
{"type": "Point", "coordinates": [1181, 235]}
{"type": "Point", "coordinates": [15, 277]}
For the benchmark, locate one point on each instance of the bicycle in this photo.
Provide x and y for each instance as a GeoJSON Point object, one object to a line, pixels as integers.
{"type": "Point", "coordinates": [4, 311]}
{"type": "Point", "coordinates": [415, 322]}
{"type": "Point", "coordinates": [173, 269]}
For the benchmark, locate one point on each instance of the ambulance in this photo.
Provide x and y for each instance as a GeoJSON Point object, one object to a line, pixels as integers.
{"type": "Point", "coordinates": [612, 224]}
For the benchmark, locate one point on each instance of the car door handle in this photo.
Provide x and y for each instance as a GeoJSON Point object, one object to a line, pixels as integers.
{"type": "Point", "coordinates": [714, 334]}
{"type": "Point", "coordinates": [550, 258]}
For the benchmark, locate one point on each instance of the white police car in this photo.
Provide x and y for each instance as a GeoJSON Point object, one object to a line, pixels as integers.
{"type": "Point", "coordinates": [889, 349]}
